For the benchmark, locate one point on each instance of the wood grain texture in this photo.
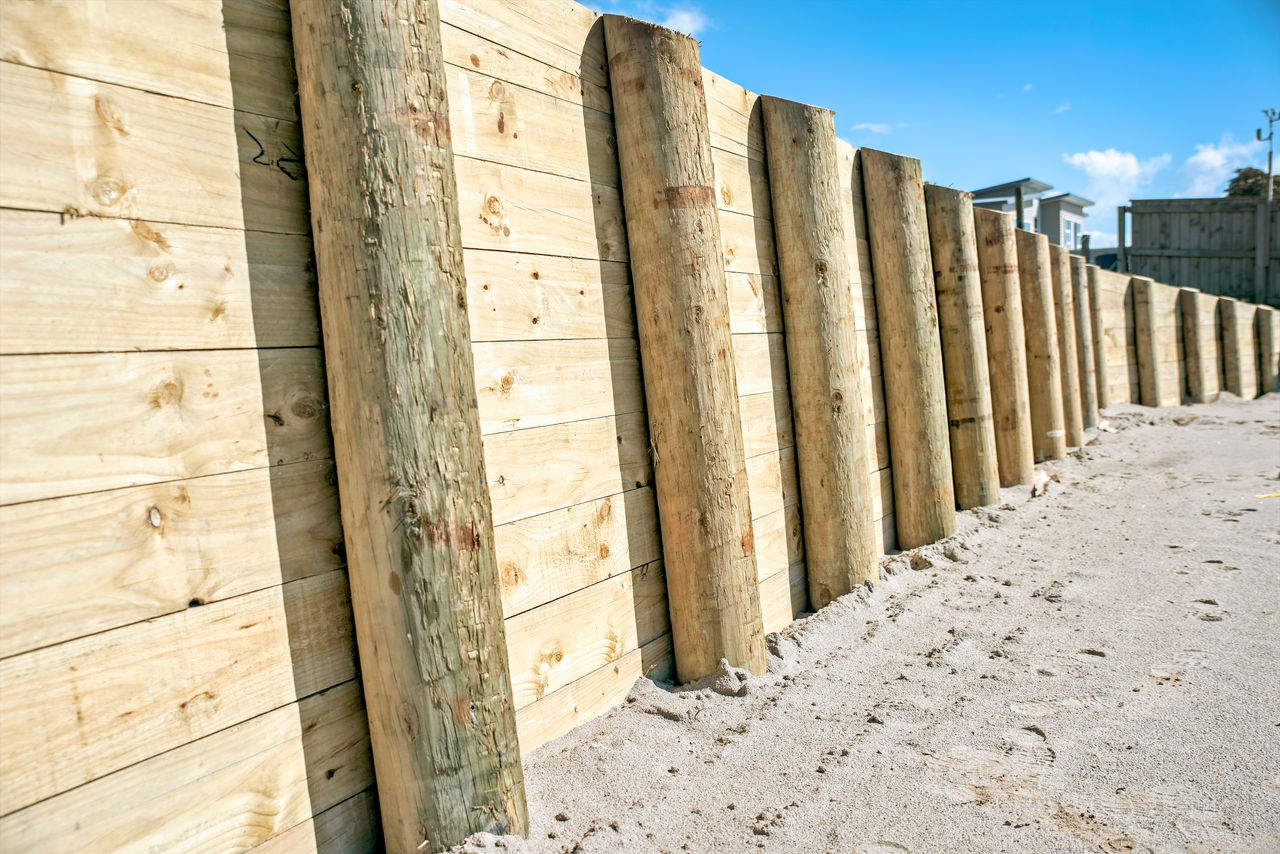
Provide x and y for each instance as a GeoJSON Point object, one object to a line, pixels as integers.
{"type": "Point", "coordinates": [1157, 334]}
{"type": "Point", "coordinates": [1097, 333]}
{"type": "Point", "coordinates": [1239, 355]}
{"type": "Point", "coordinates": [1048, 426]}
{"type": "Point", "coordinates": [1064, 318]}
{"type": "Point", "coordinates": [1006, 344]}
{"type": "Point", "coordinates": [1198, 312]}
{"type": "Point", "coordinates": [1084, 343]}
{"type": "Point", "coordinates": [411, 470]}
{"type": "Point", "coordinates": [677, 267]}
{"type": "Point", "coordinates": [1267, 321]}
{"type": "Point", "coordinates": [954, 253]}
{"type": "Point", "coordinates": [911, 350]}
{"type": "Point", "coordinates": [823, 361]}
{"type": "Point", "coordinates": [87, 422]}
{"type": "Point", "coordinates": [1117, 350]}
{"type": "Point", "coordinates": [350, 827]}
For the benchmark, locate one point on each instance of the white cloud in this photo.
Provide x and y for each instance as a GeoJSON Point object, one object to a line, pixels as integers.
{"type": "Point", "coordinates": [1062, 108]}
{"type": "Point", "coordinates": [1115, 175]}
{"type": "Point", "coordinates": [876, 127]}
{"type": "Point", "coordinates": [1207, 171]}
{"type": "Point", "coordinates": [1026, 88]}
{"type": "Point", "coordinates": [690, 20]}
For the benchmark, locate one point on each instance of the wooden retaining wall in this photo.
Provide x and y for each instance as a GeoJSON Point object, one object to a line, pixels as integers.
{"type": "Point", "coordinates": [177, 662]}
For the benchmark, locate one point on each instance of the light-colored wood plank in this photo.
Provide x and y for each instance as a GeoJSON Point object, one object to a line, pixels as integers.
{"type": "Point", "coordinates": [733, 116]}
{"type": "Point", "coordinates": [766, 422]}
{"type": "Point", "coordinates": [564, 640]}
{"type": "Point", "coordinates": [748, 244]}
{"type": "Point", "coordinates": [516, 297]}
{"type": "Point", "coordinates": [760, 362]}
{"type": "Point", "coordinates": [87, 563]}
{"type": "Point", "coordinates": [783, 597]}
{"type": "Point", "coordinates": [235, 53]}
{"type": "Point", "coordinates": [547, 468]}
{"type": "Point", "coordinates": [771, 479]}
{"type": "Point", "coordinates": [229, 791]}
{"type": "Point", "coordinates": [753, 303]}
{"type": "Point", "coordinates": [78, 711]}
{"type": "Point", "coordinates": [80, 147]}
{"type": "Point", "coordinates": [86, 422]}
{"type": "Point", "coordinates": [541, 558]}
{"type": "Point", "coordinates": [350, 827]}
{"type": "Point", "coordinates": [523, 384]}
{"type": "Point", "coordinates": [1200, 341]}
{"type": "Point", "coordinates": [779, 541]}
{"type": "Point", "coordinates": [90, 285]}
{"type": "Point", "coordinates": [517, 210]}
{"type": "Point", "coordinates": [742, 184]}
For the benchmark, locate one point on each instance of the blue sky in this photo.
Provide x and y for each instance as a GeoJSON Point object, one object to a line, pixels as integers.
{"type": "Point", "coordinates": [1110, 100]}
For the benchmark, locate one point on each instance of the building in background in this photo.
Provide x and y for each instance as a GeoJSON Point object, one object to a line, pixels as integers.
{"type": "Point", "coordinates": [1060, 217]}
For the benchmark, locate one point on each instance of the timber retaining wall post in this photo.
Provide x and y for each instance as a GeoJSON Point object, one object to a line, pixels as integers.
{"type": "Point", "coordinates": [1084, 343]}
{"type": "Point", "coordinates": [1048, 430]}
{"type": "Point", "coordinates": [1064, 317]}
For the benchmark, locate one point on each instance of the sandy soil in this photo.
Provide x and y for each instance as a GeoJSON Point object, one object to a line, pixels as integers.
{"type": "Point", "coordinates": [1095, 668]}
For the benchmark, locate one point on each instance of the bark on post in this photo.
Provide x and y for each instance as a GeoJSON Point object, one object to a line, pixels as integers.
{"type": "Point", "coordinates": [1084, 343]}
{"type": "Point", "coordinates": [1064, 316]}
{"type": "Point", "coordinates": [682, 311]}
{"type": "Point", "coordinates": [1097, 330]}
{"type": "Point", "coordinates": [910, 348]}
{"type": "Point", "coordinates": [1006, 344]}
{"type": "Point", "coordinates": [415, 505]}
{"type": "Point", "coordinates": [954, 252]}
{"type": "Point", "coordinates": [823, 357]}
{"type": "Point", "coordinates": [1048, 431]}
{"type": "Point", "coordinates": [1199, 344]}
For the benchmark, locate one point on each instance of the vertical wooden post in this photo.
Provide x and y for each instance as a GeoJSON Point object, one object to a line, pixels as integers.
{"type": "Point", "coordinates": [1048, 431]}
{"type": "Point", "coordinates": [1064, 316]}
{"type": "Point", "coordinates": [1006, 344]}
{"type": "Point", "coordinates": [822, 349]}
{"type": "Point", "coordinates": [1268, 328]}
{"type": "Point", "coordinates": [1084, 343]}
{"type": "Point", "coordinates": [686, 353]}
{"type": "Point", "coordinates": [1144, 314]}
{"type": "Point", "coordinates": [910, 348]}
{"type": "Point", "coordinates": [1097, 331]}
{"type": "Point", "coordinates": [954, 252]}
{"type": "Point", "coordinates": [1199, 351]}
{"type": "Point", "coordinates": [1240, 375]}
{"type": "Point", "coordinates": [411, 477]}
{"type": "Point", "coordinates": [1017, 207]}
{"type": "Point", "coordinates": [1122, 257]}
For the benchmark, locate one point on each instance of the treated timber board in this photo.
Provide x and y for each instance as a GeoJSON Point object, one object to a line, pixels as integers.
{"type": "Point", "coordinates": [548, 468]}
{"type": "Point", "coordinates": [229, 791]}
{"type": "Point", "coordinates": [80, 147]}
{"type": "Point", "coordinates": [760, 363]}
{"type": "Point", "coordinates": [779, 539]}
{"type": "Point", "coordinates": [350, 827]}
{"type": "Point", "coordinates": [742, 184]}
{"type": "Point", "coordinates": [783, 597]}
{"type": "Point", "coordinates": [766, 422]}
{"type": "Point", "coordinates": [87, 563]}
{"type": "Point", "coordinates": [771, 482]}
{"type": "Point", "coordinates": [541, 558]}
{"type": "Point", "coordinates": [94, 285]}
{"type": "Point", "coordinates": [564, 640]}
{"type": "Point", "coordinates": [87, 422]}
{"type": "Point", "coordinates": [80, 710]}
{"type": "Point", "coordinates": [754, 303]}
{"type": "Point", "coordinates": [237, 53]}
{"type": "Point", "coordinates": [733, 117]}
{"type": "Point", "coordinates": [748, 244]}
{"type": "Point", "coordinates": [524, 384]}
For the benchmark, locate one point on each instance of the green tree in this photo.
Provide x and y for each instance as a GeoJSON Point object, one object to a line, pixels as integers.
{"type": "Point", "coordinates": [1252, 182]}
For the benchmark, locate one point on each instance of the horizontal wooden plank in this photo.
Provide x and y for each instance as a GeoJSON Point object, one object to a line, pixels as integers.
{"type": "Point", "coordinates": [518, 210]}
{"type": "Point", "coordinates": [783, 597]}
{"type": "Point", "coordinates": [235, 53]}
{"type": "Point", "coordinates": [733, 115]}
{"type": "Point", "coordinates": [541, 558]}
{"type": "Point", "coordinates": [779, 539]}
{"type": "Point", "coordinates": [228, 791]}
{"type": "Point", "coordinates": [522, 384]}
{"type": "Point", "coordinates": [771, 482]}
{"type": "Point", "coordinates": [748, 244]}
{"type": "Point", "coordinates": [503, 122]}
{"type": "Point", "coordinates": [754, 303]}
{"type": "Point", "coordinates": [1192, 253]}
{"type": "Point", "coordinates": [760, 363]}
{"type": "Point", "coordinates": [78, 711]}
{"type": "Point", "coordinates": [547, 468]}
{"type": "Point", "coordinates": [88, 422]}
{"type": "Point", "coordinates": [86, 285]}
{"type": "Point", "coordinates": [593, 695]}
{"type": "Point", "coordinates": [80, 147]}
{"type": "Point", "coordinates": [74, 566]}
{"type": "Point", "coordinates": [516, 297]}
{"type": "Point", "coordinates": [766, 422]}
{"type": "Point", "coordinates": [742, 184]}
{"type": "Point", "coordinates": [469, 50]}
{"type": "Point", "coordinates": [350, 827]}
{"type": "Point", "coordinates": [568, 638]}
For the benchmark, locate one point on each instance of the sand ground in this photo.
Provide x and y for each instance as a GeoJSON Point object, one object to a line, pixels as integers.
{"type": "Point", "coordinates": [1095, 668]}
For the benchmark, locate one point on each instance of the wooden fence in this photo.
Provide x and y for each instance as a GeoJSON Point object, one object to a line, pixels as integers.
{"type": "Point", "coordinates": [177, 648]}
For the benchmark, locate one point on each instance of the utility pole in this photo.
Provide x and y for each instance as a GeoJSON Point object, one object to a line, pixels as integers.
{"type": "Point", "coordinates": [1262, 276]}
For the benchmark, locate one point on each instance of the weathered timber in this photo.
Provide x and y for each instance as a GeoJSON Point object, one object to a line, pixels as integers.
{"type": "Point", "coordinates": [1084, 343]}
{"type": "Point", "coordinates": [411, 475]}
{"type": "Point", "coordinates": [1200, 344]}
{"type": "Point", "coordinates": [1239, 365]}
{"type": "Point", "coordinates": [911, 348]}
{"type": "Point", "coordinates": [823, 358]}
{"type": "Point", "coordinates": [1048, 430]}
{"type": "Point", "coordinates": [1096, 332]}
{"type": "Point", "coordinates": [1006, 344]}
{"type": "Point", "coordinates": [1268, 332]}
{"type": "Point", "coordinates": [682, 315]}
{"type": "Point", "coordinates": [1064, 317]}
{"type": "Point", "coordinates": [964, 346]}
{"type": "Point", "coordinates": [1156, 333]}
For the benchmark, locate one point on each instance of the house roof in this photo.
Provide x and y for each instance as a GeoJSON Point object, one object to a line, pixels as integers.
{"type": "Point", "coordinates": [1030, 186]}
{"type": "Point", "coordinates": [1069, 198]}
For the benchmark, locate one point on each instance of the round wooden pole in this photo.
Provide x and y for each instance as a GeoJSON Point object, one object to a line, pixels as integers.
{"type": "Point", "coordinates": [823, 360]}
{"type": "Point", "coordinates": [682, 313]}
{"type": "Point", "coordinates": [1064, 317]}
{"type": "Point", "coordinates": [411, 477]}
{"type": "Point", "coordinates": [1084, 343]}
{"type": "Point", "coordinates": [1268, 323]}
{"type": "Point", "coordinates": [1006, 344]}
{"type": "Point", "coordinates": [1044, 378]}
{"type": "Point", "coordinates": [910, 348]}
{"type": "Point", "coordinates": [954, 252]}
{"type": "Point", "coordinates": [1097, 329]}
